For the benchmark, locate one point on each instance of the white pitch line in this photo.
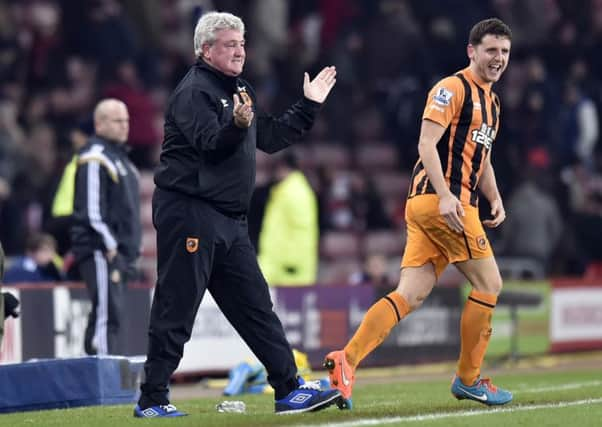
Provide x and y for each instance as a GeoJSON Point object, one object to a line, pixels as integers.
{"type": "Point", "coordinates": [568, 386]}
{"type": "Point", "coordinates": [429, 417]}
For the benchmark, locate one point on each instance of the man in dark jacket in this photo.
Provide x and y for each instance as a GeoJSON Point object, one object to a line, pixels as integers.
{"type": "Point", "coordinates": [106, 231]}
{"type": "Point", "coordinates": [204, 183]}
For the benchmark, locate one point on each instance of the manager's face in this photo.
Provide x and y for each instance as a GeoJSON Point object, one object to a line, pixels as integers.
{"type": "Point", "coordinates": [227, 52]}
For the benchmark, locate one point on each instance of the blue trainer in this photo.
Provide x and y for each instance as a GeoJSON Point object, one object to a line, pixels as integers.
{"type": "Point", "coordinates": [481, 391]}
{"type": "Point", "coordinates": [307, 397]}
{"type": "Point", "coordinates": [159, 411]}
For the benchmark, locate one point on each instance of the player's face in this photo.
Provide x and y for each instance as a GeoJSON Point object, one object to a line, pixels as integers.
{"type": "Point", "coordinates": [490, 57]}
{"type": "Point", "coordinates": [227, 53]}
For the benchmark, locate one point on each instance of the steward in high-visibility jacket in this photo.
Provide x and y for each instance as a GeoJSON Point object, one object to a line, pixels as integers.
{"type": "Point", "coordinates": [288, 241]}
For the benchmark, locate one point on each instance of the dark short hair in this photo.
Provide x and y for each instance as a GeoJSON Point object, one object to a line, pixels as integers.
{"type": "Point", "coordinates": [493, 26]}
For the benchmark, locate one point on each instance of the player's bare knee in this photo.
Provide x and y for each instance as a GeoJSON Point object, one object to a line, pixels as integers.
{"type": "Point", "coordinates": [417, 300]}
{"type": "Point", "coordinates": [496, 286]}
{"type": "Point", "coordinates": [414, 297]}
{"type": "Point", "coordinates": [488, 285]}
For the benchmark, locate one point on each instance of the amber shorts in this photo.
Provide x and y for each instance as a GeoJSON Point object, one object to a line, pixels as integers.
{"type": "Point", "coordinates": [430, 239]}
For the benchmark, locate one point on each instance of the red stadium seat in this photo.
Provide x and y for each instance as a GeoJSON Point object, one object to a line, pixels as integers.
{"type": "Point", "coordinates": [389, 243]}
{"type": "Point", "coordinates": [376, 157]}
{"type": "Point", "coordinates": [338, 272]}
{"type": "Point", "coordinates": [331, 155]}
{"type": "Point", "coordinates": [337, 244]}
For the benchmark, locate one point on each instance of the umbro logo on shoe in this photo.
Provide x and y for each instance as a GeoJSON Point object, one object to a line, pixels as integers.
{"type": "Point", "coordinates": [301, 397]}
{"type": "Point", "coordinates": [149, 413]}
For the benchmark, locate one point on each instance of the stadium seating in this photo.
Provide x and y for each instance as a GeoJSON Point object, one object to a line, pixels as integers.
{"type": "Point", "coordinates": [376, 157]}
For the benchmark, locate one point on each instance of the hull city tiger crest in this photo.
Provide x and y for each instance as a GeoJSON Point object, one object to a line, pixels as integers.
{"type": "Point", "coordinates": [482, 242]}
{"type": "Point", "coordinates": [192, 244]}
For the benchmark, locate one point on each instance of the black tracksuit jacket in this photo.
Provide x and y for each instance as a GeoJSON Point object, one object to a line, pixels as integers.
{"type": "Point", "coordinates": [106, 208]}
{"type": "Point", "coordinates": [205, 155]}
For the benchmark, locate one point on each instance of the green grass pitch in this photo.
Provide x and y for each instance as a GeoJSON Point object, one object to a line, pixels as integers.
{"type": "Point", "coordinates": [541, 398]}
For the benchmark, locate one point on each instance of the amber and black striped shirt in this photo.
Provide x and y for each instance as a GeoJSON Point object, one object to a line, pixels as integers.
{"type": "Point", "coordinates": [469, 111]}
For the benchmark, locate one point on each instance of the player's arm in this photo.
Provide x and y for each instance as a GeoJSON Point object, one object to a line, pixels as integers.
{"type": "Point", "coordinates": [488, 186]}
{"type": "Point", "coordinates": [443, 103]}
{"type": "Point", "coordinates": [449, 205]}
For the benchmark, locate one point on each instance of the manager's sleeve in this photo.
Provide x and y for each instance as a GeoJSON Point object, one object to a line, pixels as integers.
{"type": "Point", "coordinates": [276, 133]}
{"type": "Point", "coordinates": [195, 114]}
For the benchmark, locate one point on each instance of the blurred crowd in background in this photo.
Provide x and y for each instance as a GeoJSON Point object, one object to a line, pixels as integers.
{"type": "Point", "coordinates": [59, 57]}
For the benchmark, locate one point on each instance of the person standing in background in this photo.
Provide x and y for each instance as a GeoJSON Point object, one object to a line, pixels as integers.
{"type": "Point", "coordinates": [106, 231]}
{"type": "Point", "coordinates": [41, 263]}
{"type": "Point", "coordinates": [288, 241]}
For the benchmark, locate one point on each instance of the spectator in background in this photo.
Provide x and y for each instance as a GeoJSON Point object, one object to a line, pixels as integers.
{"type": "Point", "coordinates": [41, 263]}
{"type": "Point", "coordinates": [374, 273]}
{"type": "Point", "coordinates": [580, 128]}
{"type": "Point", "coordinates": [367, 206]}
{"type": "Point", "coordinates": [585, 200]}
{"type": "Point", "coordinates": [143, 137]}
{"type": "Point", "coordinates": [107, 36]}
{"type": "Point", "coordinates": [533, 230]}
{"type": "Point", "coordinates": [106, 230]}
{"type": "Point", "coordinates": [288, 242]}
{"type": "Point", "coordinates": [538, 108]}
{"type": "Point", "coordinates": [11, 147]}
{"type": "Point", "coordinates": [47, 50]}
{"type": "Point", "coordinates": [24, 212]}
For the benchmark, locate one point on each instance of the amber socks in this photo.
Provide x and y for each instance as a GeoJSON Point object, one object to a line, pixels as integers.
{"type": "Point", "coordinates": [375, 327]}
{"type": "Point", "coordinates": [475, 331]}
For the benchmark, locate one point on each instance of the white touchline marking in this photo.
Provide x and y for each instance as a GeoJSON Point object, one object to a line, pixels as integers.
{"type": "Point", "coordinates": [520, 390]}
{"type": "Point", "coordinates": [442, 415]}
{"type": "Point", "coordinates": [568, 386]}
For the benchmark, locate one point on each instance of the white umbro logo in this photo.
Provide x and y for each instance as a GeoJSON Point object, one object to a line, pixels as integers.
{"type": "Point", "coordinates": [150, 412]}
{"type": "Point", "coordinates": [224, 102]}
{"type": "Point", "coordinates": [301, 398]}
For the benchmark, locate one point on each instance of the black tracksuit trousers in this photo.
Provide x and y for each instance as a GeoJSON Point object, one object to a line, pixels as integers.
{"type": "Point", "coordinates": [199, 248]}
{"type": "Point", "coordinates": [102, 332]}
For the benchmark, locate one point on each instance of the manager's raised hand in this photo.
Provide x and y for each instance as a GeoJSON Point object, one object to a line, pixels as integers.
{"type": "Point", "coordinates": [318, 89]}
{"type": "Point", "coordinates": [243, 113]}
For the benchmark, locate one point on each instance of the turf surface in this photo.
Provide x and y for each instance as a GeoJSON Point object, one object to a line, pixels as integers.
{"type": "Point", "coordinates": [541, 398]}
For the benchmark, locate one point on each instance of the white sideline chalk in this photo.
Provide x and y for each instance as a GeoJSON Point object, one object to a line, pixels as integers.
{"type": "Point", "coordinates": [457, 414]}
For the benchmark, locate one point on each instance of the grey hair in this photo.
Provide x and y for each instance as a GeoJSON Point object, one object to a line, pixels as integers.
{"type": "Point", "coordinates": [209, 24]}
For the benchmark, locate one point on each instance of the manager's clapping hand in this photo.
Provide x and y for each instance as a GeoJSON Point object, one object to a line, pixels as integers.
{"type": "Point", "coordinates": [318, 89]}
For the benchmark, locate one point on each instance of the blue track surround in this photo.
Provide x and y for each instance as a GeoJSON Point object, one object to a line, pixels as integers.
{"type": "Point", "coordinates": [67, 383]}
